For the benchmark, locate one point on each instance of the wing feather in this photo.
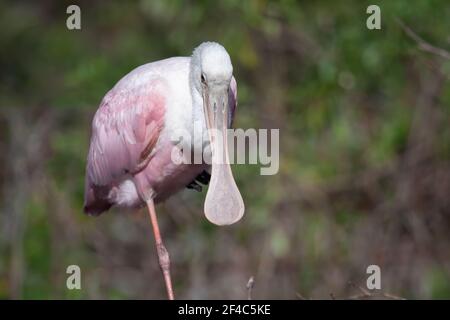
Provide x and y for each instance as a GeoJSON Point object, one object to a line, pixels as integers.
{"type": "Point", "coordinates": [124, 130]}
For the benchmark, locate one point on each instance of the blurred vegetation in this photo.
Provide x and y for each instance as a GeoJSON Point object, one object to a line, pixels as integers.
{"type": "Point", "coordinates": [365, 150]}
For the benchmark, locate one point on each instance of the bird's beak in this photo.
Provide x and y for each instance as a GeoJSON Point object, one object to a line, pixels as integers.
{"type": "Point", "coordinates": [223, 204]}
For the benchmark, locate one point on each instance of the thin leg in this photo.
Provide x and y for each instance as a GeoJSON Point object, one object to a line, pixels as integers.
{"type": "Point", "coordinates": [163, 255]}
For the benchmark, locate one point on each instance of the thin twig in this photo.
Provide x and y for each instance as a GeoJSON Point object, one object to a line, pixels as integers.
{"type": "Point", "coordinates": [300, 296]}
{"type": "Point", "coordinates": [423, 45]}
{"type": "Point", "coordinates": [366, 294]}
{"type": "Point", "coordinates": [250, 284]}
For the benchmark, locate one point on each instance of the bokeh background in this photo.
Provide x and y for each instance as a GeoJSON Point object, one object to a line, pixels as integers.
{"type": "Point", "coordinates": [365, 150]}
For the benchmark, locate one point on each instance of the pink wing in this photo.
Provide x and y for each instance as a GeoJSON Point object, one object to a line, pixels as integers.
{"type": "Point", "coordinates": [124, 130]}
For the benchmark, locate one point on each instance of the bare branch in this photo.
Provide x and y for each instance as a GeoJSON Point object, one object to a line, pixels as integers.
{"type": "Point", "coordinates": [365, 294]}
{"type": "Point", "coordinates": [250, 284]}
{"type": "Point", "coordinates": [300, 296]}
{"type": "Point", "coordinates": [423, 45]}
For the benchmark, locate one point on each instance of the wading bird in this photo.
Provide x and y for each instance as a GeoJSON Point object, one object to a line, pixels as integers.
{"type": "Point", "coordinates": [130, 161]}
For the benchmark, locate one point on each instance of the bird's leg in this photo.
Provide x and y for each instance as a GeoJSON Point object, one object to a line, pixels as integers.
{"type": "Point", "coordinates": [163, 255]}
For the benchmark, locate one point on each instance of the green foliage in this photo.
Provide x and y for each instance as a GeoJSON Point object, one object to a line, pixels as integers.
{"type": "Point", "coordinates": [346, 101]}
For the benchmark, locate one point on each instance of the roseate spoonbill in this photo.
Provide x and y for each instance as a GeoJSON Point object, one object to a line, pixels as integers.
{"type": "Point", "coordinates": [129, 162]}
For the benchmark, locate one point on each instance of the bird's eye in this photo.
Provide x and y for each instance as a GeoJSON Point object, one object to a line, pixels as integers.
{"type": "Point", "coordinates": [203, 79]}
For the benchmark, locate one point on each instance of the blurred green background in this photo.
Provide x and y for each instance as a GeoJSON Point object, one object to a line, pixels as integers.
{"type": "Point", "coordinates": [364, 139]}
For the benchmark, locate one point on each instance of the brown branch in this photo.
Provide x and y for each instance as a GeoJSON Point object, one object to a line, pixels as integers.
{"type": "Point", "coordinates": [250, 284]}
{"type": "Point", "coordinates": [365, 294]}
{"type": "Point", "coordinates": [423, 45]}
{"type": "Point", "coordinates": [300, 296]}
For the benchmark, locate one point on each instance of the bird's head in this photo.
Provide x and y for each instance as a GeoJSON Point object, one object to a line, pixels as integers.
{"type": "Point", "coordinates": [211, 70]}
{"type": "Point", "coordinates": [211, 73]}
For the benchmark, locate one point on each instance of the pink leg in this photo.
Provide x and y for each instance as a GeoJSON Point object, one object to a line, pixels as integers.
{"type": "Point", "coordinates": [163, 255]}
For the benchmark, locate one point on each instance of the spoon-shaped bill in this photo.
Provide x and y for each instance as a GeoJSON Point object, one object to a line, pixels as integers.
{"type": "Point", "coordinates": [223, 204]}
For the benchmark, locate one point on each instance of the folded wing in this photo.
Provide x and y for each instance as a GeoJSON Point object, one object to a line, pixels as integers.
{"type": "Point", "coordinates": [125, 129]}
